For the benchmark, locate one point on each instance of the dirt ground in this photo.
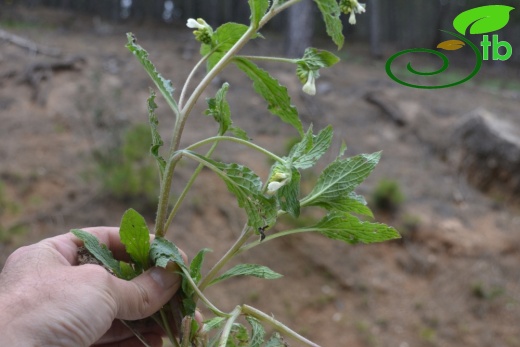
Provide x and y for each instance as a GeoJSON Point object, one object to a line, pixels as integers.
{"type": "Point", "coordinates": [453, 280]}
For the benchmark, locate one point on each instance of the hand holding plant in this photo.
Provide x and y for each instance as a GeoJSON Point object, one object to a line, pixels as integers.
{"type": "Point", "coordinates": [263, 201]}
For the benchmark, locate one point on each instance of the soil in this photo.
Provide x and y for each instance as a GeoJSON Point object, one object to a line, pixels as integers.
{"type": "Point", "coordinates": [454, 278]}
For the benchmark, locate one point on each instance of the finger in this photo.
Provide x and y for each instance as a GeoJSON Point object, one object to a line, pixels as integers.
{"type": "Point", "coordinates": [145, 294]}
{"type": "Point", "coordinates": [153, 340]}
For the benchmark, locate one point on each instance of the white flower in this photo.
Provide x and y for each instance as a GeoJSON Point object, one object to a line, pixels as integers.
{"type": "Point", "coordinates": [197, 24]}
{"type": "Point", "coordinates": [360, 8]}
{"type": "Point", "coordinates": [274, 186]}
{"type": "Point", "coordinates": [352, 18]}
{"type": "Point", "coordinates": [310, 87]}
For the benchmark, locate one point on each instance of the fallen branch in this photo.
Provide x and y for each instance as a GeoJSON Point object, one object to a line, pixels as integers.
{"type": "Point", "coordinates": [29, 45]}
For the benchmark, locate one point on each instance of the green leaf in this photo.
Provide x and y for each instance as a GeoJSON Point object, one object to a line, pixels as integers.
{"type": "Point", "coordinates": [164, 85]}
{"type": "Point", "coordinates": [307, 152]}
{"type": "Point", "coordinates": [257, 332]}
{"type": "Point", "coordinates": [162, 252]}
{"type": "Point", "coordinates": [247, 187]}
{"type": "Point", "coordinates": [276, 341]}
{"type": "Point", "coordinates": [213, 323]}
{"type": "Point", "coordinates": [347, 228]}
{"type": "Point", "coordinates": [288, 195]}
{"type": "Point", "coordinates": [127, 271]}
{"type": "Point", "coordinates": [483, 19]}
{"type": "Point", "coordinates": [331, 12]}
{"type": "Point", "coordinates": [276, 95]}
{"type": "Point", "coordinates": [259, 271]}
{"type": "Point", "coordinates": [312, 61]}
{"type": "Point", "coordinates": [258, 9]}
{"type": "Point", "coordinates": [135, 236]}
{"type": "Point", "coordinates": [157, 142]}
{"type": "Point", "coordinates": [238, 337]}
{"type": "Point", "coordinates": [98, 250]}
{"type": "Point", "coordinates": [223, 39]}
{"type": "Point", "coordinates": [340, 178]}
{"type": "Point", "coordinates": [218, 108]}
{"type": "Point", "coordinates": [196, 264]}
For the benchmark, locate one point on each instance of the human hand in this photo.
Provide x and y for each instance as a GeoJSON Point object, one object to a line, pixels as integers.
{"type": "Point", "coordinates": [46, 300]}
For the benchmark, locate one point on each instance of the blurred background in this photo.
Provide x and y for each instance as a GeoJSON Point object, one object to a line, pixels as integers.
{"type": "Point", "coordinates": [74, 148]}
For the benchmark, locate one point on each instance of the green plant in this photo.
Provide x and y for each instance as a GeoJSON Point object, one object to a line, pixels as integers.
{"type": "Point", "coordinates": [387, 196]}
{"type": "Point", "coordinates": [262, 201]}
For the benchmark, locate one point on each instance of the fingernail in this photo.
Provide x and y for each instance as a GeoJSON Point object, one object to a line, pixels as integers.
{"type": "Point", "coordinates": [164, 278]}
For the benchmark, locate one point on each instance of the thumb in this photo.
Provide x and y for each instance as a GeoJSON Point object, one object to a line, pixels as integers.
{"type": "Point", "coordinates": [145, 294]}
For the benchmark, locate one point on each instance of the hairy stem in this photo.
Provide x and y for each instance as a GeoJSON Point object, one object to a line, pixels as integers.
{"type": "Point", "coordinates": [200, 295]}
{"type": "Point", "coordinates": [166, 326]}
{"type": "Point", "coordinates": [164, 195]}
{"type": "Point", "coordinates": [280, 327]}
{"type": "Point", "coordinates": [237, 140]}
{"type": "Point", "coordinates": [190, 77]}
{"type": "Point", "coordinates": [244, 236]}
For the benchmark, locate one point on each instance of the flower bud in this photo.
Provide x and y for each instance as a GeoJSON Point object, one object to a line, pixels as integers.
{"type": "Point", "coordinates": [310, 86]}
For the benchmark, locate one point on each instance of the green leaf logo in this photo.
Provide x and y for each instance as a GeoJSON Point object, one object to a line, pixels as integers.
{"type": "Point", "coordinates": [483, 19]}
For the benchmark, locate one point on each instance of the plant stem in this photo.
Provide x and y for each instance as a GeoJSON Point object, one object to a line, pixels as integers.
{"type": "Point", "coordinates": [272, 237]}
{"type": "Point", "coordinates": [190, 77]}
{"type": "Point", "coordinates": [187, 188]}
{"type": "Point", "coordinates": [237, 140]}
{"type": "Point", "coordinates": [244, 236]}
{"type": "Point", "coordinates": [275, 9]}
{"type": "Point", "coordinates": [227, 328]}
{"type": "Point", "coordinates": [167, 326]}
{"type": "Point", "coordinates": [164, 195]}
{"type": "Point", "coordinates": [273, 59]}
{"type": "Point", "coordinates": [261, 316]}
{"type": "Point", "coordinates": [200, 295]}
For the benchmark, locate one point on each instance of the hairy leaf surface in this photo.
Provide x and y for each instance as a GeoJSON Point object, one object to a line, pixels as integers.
{"type": "Point", "coordinates": [258, 9]}
{"type": "Point", "coordinates": [347, 228]}
{"type": "Point", "coordinates": [224, 38]}
{"type": "Point", "coordinates": [98, 250]}
{"type": "Point", "coordinates": [254, 270]}
{"type": "Point", "coordinates": [247, 187]}
{"type": "Point", "coordinates": [218, 108]}
{"type": "Point", "coordinates": [330, 11]}
{"type": "Point", "coordinates": [157, 141]}
{"type": "Point", "coordinates": [163, 251]}
{"type": "Point", "coordinates": [307, 152]}
{"type": "Point", "coordinates": [257, 332]}
{"type": "Point", "coordinates": [164, 85]}
{"type": "Point", "coordinates": [276, 95]}
{"type": "Point", "coordinates": [340, 178]}
{"type": "Point", "coordinates": [196, 264]}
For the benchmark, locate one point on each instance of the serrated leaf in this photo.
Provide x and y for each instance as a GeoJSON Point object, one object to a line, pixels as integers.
{"type": "Point", "coordinates": [135, 236]}
{"type": "Point", "coordinates": [340, 178]}
{"type": "Point", "coordinates": [451, 45]}
{"type": "Point", "coordinates": [331, 12]}
{"type": "Point", "coordinates": [218, 108]}
{"type": "Point", "coordinates": [288, 195]}
{"type": "Point", "coordinates": [276, 95]}
{"type": "Point", "coordinates": [276, 341]}
{"type": "Point", "coordinates": [247, 188]}
{"type": "Point", "coordinates": [483, 19]}
{"type": "Point", "coordinates": [307, 152]}
{"type": "Point", "coordinates": [98, 250]}
{"type": "Point", "coordinates": [157, 142]}
{"type": "Point", "coordinates": [223, 39]}
{"type": "Point", "coordinates": [350, 203]}
{"type": "Point", "coordinates": [164, 85]}
{"type": "Point", "coordinates": [347, 228]}
{"type": "Point", "coordinates": [239, 337]}
{"type": "Point", "coordinates": [254, 270]}
{"type": "Point", "coordinates": [257, 332]}
{"type": "Point", "coordinates": [196, 264]}
{"type": "Point", "coordinates": [162, 252]}
{"type": "Point", "coordinates": [258, 9]}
